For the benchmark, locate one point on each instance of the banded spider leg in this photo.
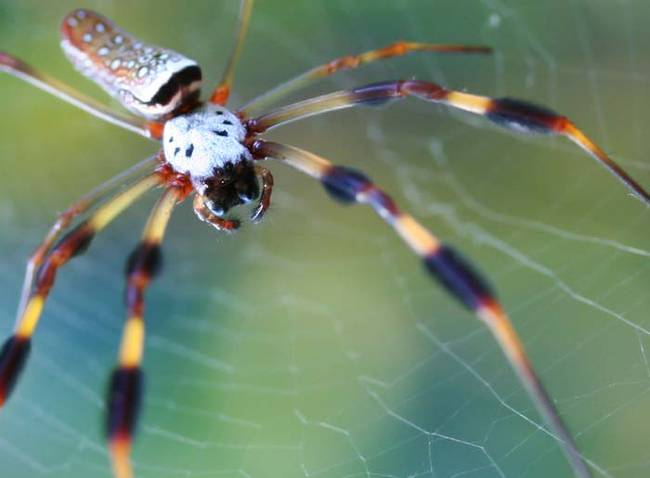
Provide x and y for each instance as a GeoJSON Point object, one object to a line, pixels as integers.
{"type": "Point", "coordinates": [15, 350]}
{"type": "Point", "coordinates": [444, 263]}
{"type": "Point", "coordinates": [513, 114]}
{"type": "Point", "coordinates": [125, 389]}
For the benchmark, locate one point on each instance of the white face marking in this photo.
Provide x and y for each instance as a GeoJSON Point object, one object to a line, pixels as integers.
{"type": "Point", "coordinates": [201, 141]}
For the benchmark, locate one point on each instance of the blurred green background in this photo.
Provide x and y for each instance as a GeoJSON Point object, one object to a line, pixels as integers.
{"type": "Point", "coordinates": [313, 345]}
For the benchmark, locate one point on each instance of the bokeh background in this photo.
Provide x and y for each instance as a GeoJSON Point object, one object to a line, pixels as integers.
{"type": "Point", "coordinates": [313, 345]}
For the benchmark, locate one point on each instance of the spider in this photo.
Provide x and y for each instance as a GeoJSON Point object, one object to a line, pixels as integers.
{"type": "Point", "coordinates": [215, 154]}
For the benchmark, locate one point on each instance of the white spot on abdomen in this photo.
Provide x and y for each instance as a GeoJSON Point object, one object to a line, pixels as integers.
{"type": "Point", "coordinates": [205, 140]}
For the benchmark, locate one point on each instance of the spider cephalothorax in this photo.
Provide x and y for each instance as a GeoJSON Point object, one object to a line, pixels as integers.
{"type": "Point", "coordinates": [207, 145]}
{"type": "Point", "coordinates": [209, 153]}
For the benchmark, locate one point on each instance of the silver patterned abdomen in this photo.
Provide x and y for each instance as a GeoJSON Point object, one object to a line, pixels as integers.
{"type": "Point", "coordinates": [146, 79]}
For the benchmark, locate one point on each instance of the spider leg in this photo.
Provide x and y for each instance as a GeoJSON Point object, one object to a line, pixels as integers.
{"type": "Point", "coordinates": [205, 215]}
{"type": "Point", "coordinates": [221, 93]}
{"type": "Point", "coordinates": [350, 62]}
{"type": "Point", "coordinates": [512, 114]}
{"type": "Point", "coordinates": [125, 388]}
{"type": "Point", "coordinates": [64, 220]}
{"type": "Point", "coordinates": [445, 265]}
{"type": "Point", "coordinates": [265, 197]}
{"type": "Point", "coordinates": [16, 349]}
{"type": "Point", "coordinates": [19, 69]}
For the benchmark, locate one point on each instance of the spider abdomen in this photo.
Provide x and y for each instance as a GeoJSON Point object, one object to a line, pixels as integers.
{"type": "Point", "coordinates": [146, 79]}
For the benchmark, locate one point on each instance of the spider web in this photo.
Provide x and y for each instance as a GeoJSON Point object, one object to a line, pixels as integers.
{"type": "Point", "coordinates": [313, 345]}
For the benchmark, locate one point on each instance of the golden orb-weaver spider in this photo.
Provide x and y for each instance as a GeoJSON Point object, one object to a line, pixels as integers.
{"type": "Point", "coordinates": [214, 154]}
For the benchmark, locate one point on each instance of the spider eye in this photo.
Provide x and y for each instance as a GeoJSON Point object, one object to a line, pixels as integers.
{"type": "Point", "coordinates": [247, 196]}
{"type": "Point", "coordinates": [248, 189]}
{"type": "Point", "coordinates": [215, 209]}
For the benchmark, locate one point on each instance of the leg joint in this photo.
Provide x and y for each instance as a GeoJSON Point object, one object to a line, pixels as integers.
{"type": "Point", "coordinates": [459, 278]}
{"type": "Point", "coordinates": [344, 184]}
{"type": "Point", "coordinates": [146, 259]}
